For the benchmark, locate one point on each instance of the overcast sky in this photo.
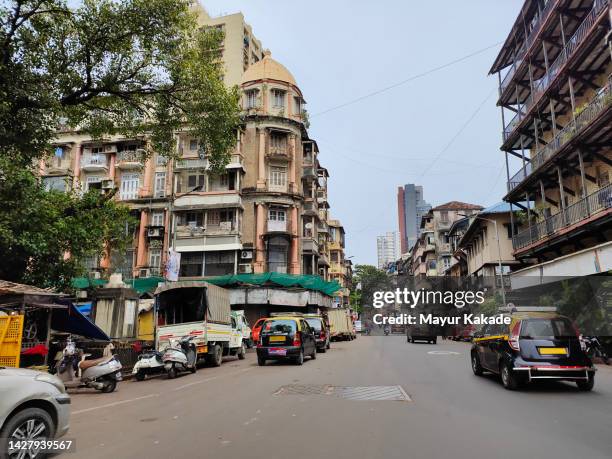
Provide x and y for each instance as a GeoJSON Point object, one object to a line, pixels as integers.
{"type": "Point", "coordinates": [339, 50]}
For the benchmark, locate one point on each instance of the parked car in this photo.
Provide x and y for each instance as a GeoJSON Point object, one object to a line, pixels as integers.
{"type": "Point", "coordinates": [256, 329]}
{"type": "Point", "coordinates": [286, 337]}
{"type": "Point", "coordinates": [322, 335]}
{"type": "Point", "coordinates": [533, 346]}
{"type": "Point", "coordinates": [33, 406]}
{"type": "Point", "coordinates": [416, 333]}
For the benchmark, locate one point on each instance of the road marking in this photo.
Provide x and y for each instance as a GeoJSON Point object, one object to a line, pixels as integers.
{"type": "Point", "coordinates": [444, 353]}
{"type": "Point", "coordinates": [212, 378]}
{"type": "Point", "coordinates": [109, 405]}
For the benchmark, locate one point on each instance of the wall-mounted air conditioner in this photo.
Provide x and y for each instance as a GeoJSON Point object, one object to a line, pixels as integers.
{"type": "Point", "coordinates": [144, 273]}
{"type": "Point", "coordinates": [94, 274]}
{"type": "Point", "coordinates": [154, 232]}
{"type": "Point", "coordinates": [246, 254]}
{"type": "Point", "coordinates": [107, 184]}
{"type": "Point", "coordinates": [245, 268]}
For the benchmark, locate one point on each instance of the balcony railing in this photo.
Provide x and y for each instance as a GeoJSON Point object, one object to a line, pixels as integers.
{"type": "Point", "coordinates": [601, 101]}
{"type": "Point", "coordinates": [520, 55]}
{"type": "Point", "coordinates": [195, 163]}
{"type": "Point", "coordinates": [129, 156]}
{"type": "Point", "coordinates": [540, 86]}
{"type": "Point", "coordinates": [94, 161]}
{"type": "Point", "coordinates": [584, 208]}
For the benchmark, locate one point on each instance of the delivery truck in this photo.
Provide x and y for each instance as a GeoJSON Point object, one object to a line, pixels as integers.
{"type": "Point", "coordinates": [201, 310]}
{"type": "Point", "coordinates": [340, 324]}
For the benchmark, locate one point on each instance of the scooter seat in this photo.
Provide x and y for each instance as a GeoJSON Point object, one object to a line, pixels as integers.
{"type": "Point", "coordinates": [84, 364]}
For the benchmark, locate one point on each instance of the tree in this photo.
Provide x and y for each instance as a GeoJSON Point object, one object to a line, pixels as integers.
{"type": "Point", "coordinates": [39, 228]}
{"type": "Point", "coordinates": [131, 67]}
{"type": "Point", "coordinates": [370, 279]}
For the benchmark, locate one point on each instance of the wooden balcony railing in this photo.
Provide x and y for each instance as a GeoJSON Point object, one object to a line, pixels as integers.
{"type": "Point", "coordinates": [541, 86]}
{"type": "Point", "coordinates": [599, 103]}
{"type": "Point", "coordinates": [594, 203]}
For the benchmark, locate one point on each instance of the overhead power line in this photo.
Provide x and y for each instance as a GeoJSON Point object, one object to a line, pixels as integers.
{"type": "Point", "coordinates": [407, 80]}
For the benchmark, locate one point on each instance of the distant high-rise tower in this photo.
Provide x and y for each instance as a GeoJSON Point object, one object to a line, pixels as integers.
{"type": "Point", "coordinates": [387, 248]}
{"type": "Point", "coordinates": [410, 209]}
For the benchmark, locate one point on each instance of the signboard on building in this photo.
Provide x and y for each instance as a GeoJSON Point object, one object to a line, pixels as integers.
{"type": "Point", "coordinates": [173, 265]}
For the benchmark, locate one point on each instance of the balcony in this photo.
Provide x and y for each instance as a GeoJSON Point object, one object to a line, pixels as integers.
{"type": "Point", "coordinates": [191, 163]}
{"type": "Point", "coordinates": [94, 163]}
{"type": "Point", "coordinates": [309, 172]}
{"type": "Point", "coordinates": [309, 245]}
{"type": "Point", "coordinates": [220, 229]}
{"type": "Point", "coordinates": [540, 86]}
{"type": "Point", "coordinates": [591, 112]}
{"type": "Point", "coordinates": [594, 204]}
{"type": "Point", "coordinates": [129, 159]}
{"type": "Point", "coordinates": [277, 226]}
{"type": "Point", "coordinates": [520, 55]}
{"type": "Point", "coordinates": [311, 208]}
{"type": "Point", "coordinates": [279, 152]}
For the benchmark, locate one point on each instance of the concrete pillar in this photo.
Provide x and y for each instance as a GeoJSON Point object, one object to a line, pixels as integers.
{"type": "Point", "coordinates": [147, 185]}
{"type": "Point", "coordinates": [261, 160]}
{"type": "Point", "coordinates": [292, 164]}
{"type": "Point", "coordinates": [294, 261]}
{"type": "Point", "coordinates": [141, 256]}
{"type": "Point", "coordinates": [111, 167]}
{"type": "Point", "coordinates": [260, 260]}
{"type": "Point", "coordinates": [166, 244]}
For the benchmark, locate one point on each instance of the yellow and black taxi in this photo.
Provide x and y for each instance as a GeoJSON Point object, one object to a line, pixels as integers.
{"type": "Point", "coordinates": [533, 346]}
{"type": "Point", "coordinates": [286, 338]}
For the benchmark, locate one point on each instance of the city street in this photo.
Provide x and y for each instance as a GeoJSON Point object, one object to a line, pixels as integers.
{"type": "Point", "coordinates": [235, 411]}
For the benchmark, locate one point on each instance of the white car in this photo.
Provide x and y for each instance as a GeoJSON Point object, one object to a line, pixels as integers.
{"type": "Point", "coordinates": [33, 406]}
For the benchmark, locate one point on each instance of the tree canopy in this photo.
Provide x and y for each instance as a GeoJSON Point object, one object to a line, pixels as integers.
{"type": "Point", "coordinates": [131, 67]}
{"type": "Point", "coordinates": [370, 279]}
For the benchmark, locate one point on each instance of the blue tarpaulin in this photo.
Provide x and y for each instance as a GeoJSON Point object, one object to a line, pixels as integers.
{"type": "Point", "coordinates": [71, 320]}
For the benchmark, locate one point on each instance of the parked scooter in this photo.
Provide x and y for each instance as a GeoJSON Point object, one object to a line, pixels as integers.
{"type": "Point", "coordinates": [149, 362]}
{"type": "Point", "coordinates": [387, 330]}
{"type": "Point", "coordinates": [101, 374]}
{"type": "Point", "coordinates": [180, 356]}
{"type": "Point", "coordinates": [595, 349]}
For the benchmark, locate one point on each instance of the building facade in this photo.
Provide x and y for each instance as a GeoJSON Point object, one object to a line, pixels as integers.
{"type": "Point", "coordinates": [387, 248]}
{"type": "Point", "coordinates": [410, 208]}
{"type": "Point", "coordinates": [555, 94]}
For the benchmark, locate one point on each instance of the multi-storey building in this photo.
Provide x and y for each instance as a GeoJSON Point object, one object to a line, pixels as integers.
{"type": "Point", "coordinates": [239, 49]}
{"type": "Point", "coordinates": [338, 263]}
{"type": "Point", "coordinates": [267, 212]}
{"type": "Point", "coordinates": [387, 248]}
{"type": "Point", "coordinates": [555, 94]}
{"type": "Point", "coordinates": [410, 209]}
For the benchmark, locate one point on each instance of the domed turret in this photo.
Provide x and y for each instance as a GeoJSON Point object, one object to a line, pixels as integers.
{"type": "Point", "coordinates": [268, 69]}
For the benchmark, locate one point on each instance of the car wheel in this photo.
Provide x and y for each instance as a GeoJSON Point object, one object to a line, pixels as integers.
{"type": "Point", "coordinates": [509, 379]}
{"type": "Point", "coordinates": [586, 386]}
{"type": "Point", "coordinates": [322, 350]}
{"type": "Point", "coordinates": [435, 341]}
{"type": "Point", "coordinates": [242, 352]}
{"type": "Point", "coordinates": [476, 367]}
{"type": "Point", "coordinates": [299, 360]}
{"type": "Point", "coordinates": [33, 424]}
{"type": "Point", "coordinates": [218, 356]}
{"type": "Point", "coordinates": [261, 361]}
{"type": "Point", "coordinates": [329, 345]}
{"type": "Point", "coordinates": [140, 376]}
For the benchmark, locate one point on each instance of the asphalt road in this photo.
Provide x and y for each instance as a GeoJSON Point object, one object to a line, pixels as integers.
{"type": "Point", "coordinates": [233, 412]}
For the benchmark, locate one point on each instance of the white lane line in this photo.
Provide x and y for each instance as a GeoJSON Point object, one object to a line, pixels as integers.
{"type": "Point", "coordinates": [109, 405]}
{"type": "Point", "coordinates": [212, 378]}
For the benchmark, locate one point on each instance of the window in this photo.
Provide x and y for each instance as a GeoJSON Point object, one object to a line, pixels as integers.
{"type": "Point", "coordinates": [196, 180]}
{"type": "Point", "coordinates": [193, 145]}
{"type": "Point", "coordinates": [278, 177]}
{"type": "Point", "coordinates": [219, 263]}
{"type": "Point", "coordinates": [216, 217]}
{"type": "Point", "coordinates": [160, 184]}
{"type": "Point", "coordinates": [155, 258]}
{"type": "Point", "coordinates": [252, 99]}
{"type": "Point", "coordinates": [129, 186]}
{"type": "Point", "coordinates": [56, 183]}
{"type": "Point", "coordinates": [93, 181]}
{"type": "Point", "coordinates": [444, 216]}
{"type": "Point", "coordinates": [157, 219]}
{"type": "Point", "coordinates": [192, 219]}
{"type": "Point", "coordinates": [278, 249]}
{"type": "Point", "coordinates": [278, 215]}
{"type": "Point", "coordinates": [278, 98]}
{"type": "Point", "coordinates": [191, 264]}
{"type": "Point", "coordinates": [297, 105]}
{"type": "Point", "coordinates": [278, 142]}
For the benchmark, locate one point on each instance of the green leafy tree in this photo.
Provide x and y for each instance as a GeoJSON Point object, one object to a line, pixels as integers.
{"type": "Point", "coordinates": [39, 229]}
{"type": "Point", "coordinates": [131, 67]}
{"type": "Point", "coordinates": [370, 279]}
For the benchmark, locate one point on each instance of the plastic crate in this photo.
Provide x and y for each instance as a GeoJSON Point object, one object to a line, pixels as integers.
{"type": "Point", "coordinates": [11, 330]}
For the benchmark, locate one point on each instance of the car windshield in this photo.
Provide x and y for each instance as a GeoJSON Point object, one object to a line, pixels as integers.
{"type": "Point", "coordinates": [315, 324]}
{"type": "Point", "coordinates": [546, 328]}
{"type": "Point", "coordinates": [279, 326]}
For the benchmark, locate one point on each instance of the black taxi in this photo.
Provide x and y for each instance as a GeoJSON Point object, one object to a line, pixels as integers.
{"type": "Point", "coordinates": [533, 346]}
{"type": "Point", "coordinates": [286, 338]}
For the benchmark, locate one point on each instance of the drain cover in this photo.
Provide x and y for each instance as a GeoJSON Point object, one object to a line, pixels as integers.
{"type": "Point", "coordinates": [391, 393]}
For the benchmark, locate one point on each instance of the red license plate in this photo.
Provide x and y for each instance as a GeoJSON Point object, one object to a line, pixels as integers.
{"type": "Point", "coordinates": [275, 351]}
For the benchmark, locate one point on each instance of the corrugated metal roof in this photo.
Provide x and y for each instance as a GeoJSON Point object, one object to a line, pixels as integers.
{"type": "Point", "coordinates": [12, 288]}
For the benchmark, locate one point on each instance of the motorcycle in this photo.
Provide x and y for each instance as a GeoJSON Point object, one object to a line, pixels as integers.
{"type": "Point", "coordinates": [149, 362]}
{"type": "Point", "coordinates": [595, 349]}
{"type": "Point", "coordinates": [181, 355]}
{"type": "Point", "coordinates": [387, 331]}
{"type": "Point", "coordinates": [75, 371]}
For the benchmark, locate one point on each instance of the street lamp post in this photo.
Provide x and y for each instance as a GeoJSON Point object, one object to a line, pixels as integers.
{"type": "Point", "coordinates": [499, 256]}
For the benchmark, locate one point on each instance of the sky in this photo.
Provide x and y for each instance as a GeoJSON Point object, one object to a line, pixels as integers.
{"type": "Point", "coordinates": [441, 130]}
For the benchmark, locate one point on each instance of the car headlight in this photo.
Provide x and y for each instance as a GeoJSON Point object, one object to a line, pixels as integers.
{"type": "Point", "coordinates": [53, 380]}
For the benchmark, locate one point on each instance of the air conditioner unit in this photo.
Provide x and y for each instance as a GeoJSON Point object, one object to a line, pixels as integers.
{"type": "Point", "coordinates": [110, 148]}
{"type": "Point", "coordinates": [245, 268]}
{"type": "Point", "coordinates": [246, 254]}
{"type": "Point", "coordinates": [94, 274]}
{"type": "Point", "coordinates": [107, 184]}
{"type": "Point", "coordinates": [154, 232]}
{"type": "Point", "coordinates": [144, 273]}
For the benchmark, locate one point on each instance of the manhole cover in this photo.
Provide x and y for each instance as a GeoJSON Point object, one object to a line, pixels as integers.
{"type": "Point", "coordinates": [391, 393]}
{"type": "Point", "coordinates": [443, 353]}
